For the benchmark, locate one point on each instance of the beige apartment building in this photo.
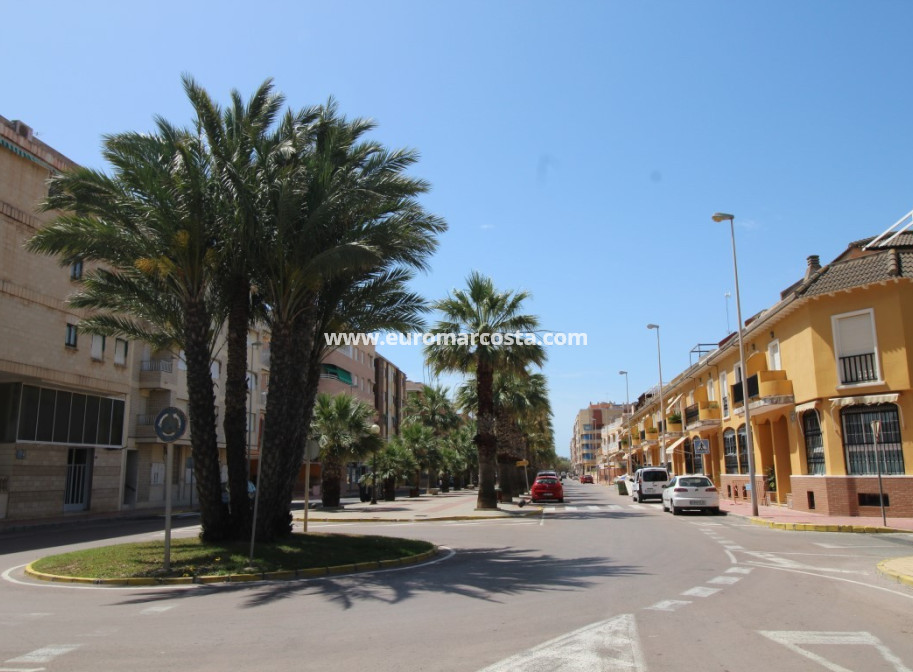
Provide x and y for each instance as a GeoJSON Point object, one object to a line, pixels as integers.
{"type": "Point", "coordinates": [586, 440]}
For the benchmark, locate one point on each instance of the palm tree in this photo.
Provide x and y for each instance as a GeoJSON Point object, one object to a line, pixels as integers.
{"type": "Point", "coordinates": [394, 462]}
{"type": "Point", "coordinates": [473, 329]}
{"type": "Point", "coordinates": [342, 428]}
{"type": "Point", "coordinates": [242, 146]}
{"type": "Point", "coordinates": [346, 232]}
{"type": "Point", "coordinates": [423, 444]}
{"type": "Point", "coordinates": [520, 398]}
{"type": "Point", "coordinates": [152, 225]}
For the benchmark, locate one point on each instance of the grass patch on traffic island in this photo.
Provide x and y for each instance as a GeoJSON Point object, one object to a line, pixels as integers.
{"type": "Point", "coordinates": [194, 558]}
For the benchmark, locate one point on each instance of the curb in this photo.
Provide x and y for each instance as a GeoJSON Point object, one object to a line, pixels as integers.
{"type": "Point", "coordinates": [815, 527]}
{"type": "Point", "coordinates": [893, 574]}
{"type": "Point", "coordinates": [535, 511]}
{"type": "Point", "coordinates": [287, 575]}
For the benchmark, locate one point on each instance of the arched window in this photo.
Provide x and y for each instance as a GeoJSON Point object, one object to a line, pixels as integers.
{"type": "Point", "coordinates": [743, 450]}
{"type": "Point", "coordinates": [859, 444]}
{"type": "Point", "coordinates": [730, 452]}
{"type": "Point", "coordinates": [814, 443]}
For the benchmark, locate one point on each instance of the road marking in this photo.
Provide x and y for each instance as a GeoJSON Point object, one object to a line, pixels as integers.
{"type": "Point", "coordinates": [45, 654]}
{"type": "Point", "coordinates": [158, 609]}
{"type": "Point", "coordinates": [593, 508]}
{"type": "Point", "coordinates": [794, 639]}
{"type": "Point", "coordinates": [739, 570]}
{"type": "Point", "coordinates": [668, 605]}
{"type": "Point", "coordinates": [734, 547]}
{"type": "Point", "coordinates": [615, 507]}
{"type": "Point", "coordinates": [850, 546]}
{"type": "Point", "coordinates": [608, 646]}
{"type": "Point", "coordinates": [569, 508]}
{"type": "Point", "coordinates": [702, 591]}
{"type": "Point", "coordinates": [725, 580]}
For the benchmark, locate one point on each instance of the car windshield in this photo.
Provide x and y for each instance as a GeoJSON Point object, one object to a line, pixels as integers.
{"type": "Point", "coordinates": [655, 476]}
{"type": "Point", "coordinates": [695, 482]}
{"type": "Point", "coordinates": [546, 481]}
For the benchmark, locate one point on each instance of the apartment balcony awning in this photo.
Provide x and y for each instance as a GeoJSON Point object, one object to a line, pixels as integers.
{"type": "Point", "coordinates": [674, 445]}
{"type": "Point", "coordinates": [865, 399]}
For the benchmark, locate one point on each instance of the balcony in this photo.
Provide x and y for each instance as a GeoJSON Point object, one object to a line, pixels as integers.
{"type": "Point", "coordinates": [701, 415]}
{"type": "Point", "coordinates": [858, 369]}
{"type": "Point", "coordinates": [156, 374]}
{"type": "Point", "coordinates": [767, 391]}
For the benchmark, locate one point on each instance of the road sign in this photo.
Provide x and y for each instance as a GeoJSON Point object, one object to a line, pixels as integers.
{"type": "Point", "coordinates": [170, 424]}
{"type": "Point", "coordinates": [522, 463]}
{"type": "Point", "coordinates": [701, 446]}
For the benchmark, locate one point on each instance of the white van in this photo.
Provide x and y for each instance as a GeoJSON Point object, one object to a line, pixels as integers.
{"type": "Point", "coordinates": [649, 482]}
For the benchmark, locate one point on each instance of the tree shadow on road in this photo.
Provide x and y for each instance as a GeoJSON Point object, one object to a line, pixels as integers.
{"type": "Point", "coordinates": [488, 574]}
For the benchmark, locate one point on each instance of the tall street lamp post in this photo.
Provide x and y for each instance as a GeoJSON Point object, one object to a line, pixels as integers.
{"type": "Point", "coordinates": [250, 406]}
{"type": "Point", "coordinates": [721, 217]}
{"type": "Point", "coordinates": [630, 442]}
{"type": "Point", "coordinates": [662, 411]}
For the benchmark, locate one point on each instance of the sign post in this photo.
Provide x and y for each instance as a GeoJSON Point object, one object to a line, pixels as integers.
{"type": "Point", "coordinates": [170, 425]}
{"type": "Point", "coordinates": [524, 464]}
{"type": "Point", "coordinates": [311, 451]}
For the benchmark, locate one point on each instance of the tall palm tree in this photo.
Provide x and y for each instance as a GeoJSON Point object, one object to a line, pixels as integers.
{"type": "Point", "coordinates": [483, 316]}
{"type": "Point", "coordinates": [423, 444]}
{"type": "Point", "coordinates": [152, 225]}
{"type": "Point", "coordinates": [346, 234]}
{"type": "Point", "coordinates": [242, 143]}
{"type": "Point", "coordinates": [342, 428]}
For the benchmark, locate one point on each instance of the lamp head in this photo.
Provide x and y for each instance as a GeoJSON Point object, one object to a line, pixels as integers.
{"type": "Point", "coordinates": [652, 326]}
{"type": "Point", "coordinates": [722, 217]}
{"type": "Point", "coordinates": [622, 373]}
{"type": "Point", "coordinates": [375, 428]}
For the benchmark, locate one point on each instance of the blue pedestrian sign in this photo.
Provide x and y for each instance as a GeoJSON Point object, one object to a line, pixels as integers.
{"type": "Point", "coordinates": [701, 446]}
{"type": "Point", "coordinates": [170, 424]}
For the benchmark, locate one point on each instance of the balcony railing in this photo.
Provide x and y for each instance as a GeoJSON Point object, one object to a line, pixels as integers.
{"type": "Point", "coordinates": [858, 368]}
{"type": "Point", "coordinates": [162, 365]}
{"type": "Point", "coordinates": [737, 397]}
{"type": "Point", "coordinates": [692, 413]}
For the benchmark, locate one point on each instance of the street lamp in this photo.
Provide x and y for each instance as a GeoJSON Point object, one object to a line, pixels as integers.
{"type": "Point", "coordinates": [722, 217]}
{"type": "Point", "coordinates": [662, 411]}
{"type": "Point", "coordinates": [630, 447]}
{"type": "Point", "coordinates": [375, 430]}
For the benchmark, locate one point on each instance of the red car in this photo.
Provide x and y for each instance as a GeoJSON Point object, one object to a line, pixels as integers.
{"type": "Point", "coordinates": [548, 489]}
{"type": "Point", "coordinates": [586, 478]}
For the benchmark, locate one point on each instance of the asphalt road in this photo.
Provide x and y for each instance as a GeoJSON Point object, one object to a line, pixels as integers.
{"type": "Point", "coordinates": [596, 584]}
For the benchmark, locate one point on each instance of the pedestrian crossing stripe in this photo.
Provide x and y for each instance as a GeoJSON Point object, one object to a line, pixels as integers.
{"type": "Point", "coordinates": [591, 507]}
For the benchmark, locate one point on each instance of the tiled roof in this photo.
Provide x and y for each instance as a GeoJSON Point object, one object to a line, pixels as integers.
{"type": "Point", "coordinates": [877, 266]}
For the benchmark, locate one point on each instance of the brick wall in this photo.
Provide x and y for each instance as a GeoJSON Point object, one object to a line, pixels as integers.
{"type": "Point", "coordinates": [839, 495]}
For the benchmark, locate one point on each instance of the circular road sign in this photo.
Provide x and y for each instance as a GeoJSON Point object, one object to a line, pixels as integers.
{"type": "Point", "coordinates": [170, 424]}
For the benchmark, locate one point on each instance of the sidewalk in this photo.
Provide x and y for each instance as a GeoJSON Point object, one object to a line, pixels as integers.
{"type": "Point", "coordinates": [453, 505]}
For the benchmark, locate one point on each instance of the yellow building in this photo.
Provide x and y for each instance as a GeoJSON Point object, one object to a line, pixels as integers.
{"type": "Point", "coordinates": [824, 363]}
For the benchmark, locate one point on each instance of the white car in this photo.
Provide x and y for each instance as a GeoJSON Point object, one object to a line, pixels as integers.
{"type": "Point", "coordinates": [691, 492]}
{"type": "Point", "coordinates": [648, 482]}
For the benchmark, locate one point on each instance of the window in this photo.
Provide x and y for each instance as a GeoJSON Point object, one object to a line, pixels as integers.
{"type": "Point", "coordinates": [773, 356]}
{"type": "Point", "coordinates": [98, 347]}
{"type": "Point", "coordinates": [182, 361]}
{"type": "Point", "coordinates": [710, 391]}
{"type": "Point", "coordinates": [52, 416]}
{"type": "Point", "coordinates": [859, 443]}
{"type": "Point", "coordinates": [120, 351]}
{"type": "Point", "coordinates": [814, 443]}
{"type": "Point", "coordinates": [854, 342]}
{"type": "Point", "coordinates": [70, 339]}
{"type": "Point", "coordinates": [729, 451]}
{"type": "Point", "coordinates": [76, 270]}
{"type": "Point", "coordinates": [216, 369]}
{"type": "Point", "coordinates": [724, 393]}
{"type": "Point", "coordinates": [743, 450]}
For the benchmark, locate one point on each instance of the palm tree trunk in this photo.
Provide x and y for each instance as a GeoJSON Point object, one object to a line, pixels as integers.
{"type": "Point", "coordinates": [485, 439]}
{"type": "Point", "coordinates": [281, 433]}
{"type": "Point", "coordinates": [331, 482]}
{"type": "Point", "coordinates": [213, 513]}
{"type": "Point", "coordinates": [235, 422]}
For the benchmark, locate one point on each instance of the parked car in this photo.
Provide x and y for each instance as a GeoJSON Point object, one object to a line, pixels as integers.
{"type": "Point", "coordinates": [586, 478]}
{"type": "Point", "coordinates": [691, 492]}
{"type": "Point", "coordinates": [649, 482]}
{"type": "Point", "coordinates": [547, 488]}
{"type": "Point", "coordinates": [548, 473]}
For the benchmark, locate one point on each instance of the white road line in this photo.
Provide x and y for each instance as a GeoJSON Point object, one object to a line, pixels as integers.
{"type": "Point", "coordinates": [701, 591]}
{"type": "Point", "coordinates": [593, 508]}
{"type": "Point", "coordinates": [608, 646]}
{"type": "Point", "coordinates": [158, 609]}
{"type": "Point", "coordinates": [569, 508]}
{"type": "Point", "coordinates": [734, 547]}
{"type": "Point", "coordinates": [45, 654]}
{"type": "Point", "coordinates": [739, 570]}
{"type": "Point", "coordinates": [615, 507]}
{"type": "Point", "coordinates": [794, 639]}
{"type": "Point", "coordinates": [668, 605]}
{"type": "Point", "coordinates": [725, 580]}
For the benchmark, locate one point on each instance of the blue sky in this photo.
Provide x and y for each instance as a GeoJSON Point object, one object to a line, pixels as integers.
{"type": "Point", "coordinates": [576, 149]}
